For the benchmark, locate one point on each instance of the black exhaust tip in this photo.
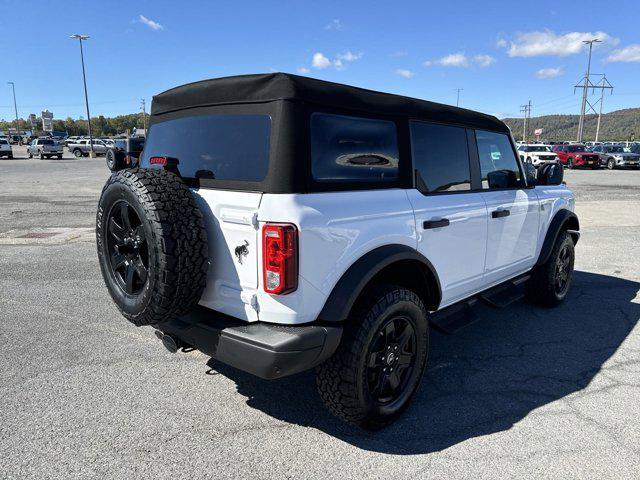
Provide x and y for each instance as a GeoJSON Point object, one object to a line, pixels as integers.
{"type": "Point", "coordinates": [171, 343]}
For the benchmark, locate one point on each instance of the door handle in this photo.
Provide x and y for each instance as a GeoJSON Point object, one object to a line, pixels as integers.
{"type": "Point", "coordinates": [500, 213]}
{"type": "Point", "coordinates": [435, 223]}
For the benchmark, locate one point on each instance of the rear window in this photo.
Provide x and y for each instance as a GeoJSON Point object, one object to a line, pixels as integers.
{"type": "Point", "coordinates": [221, 147]}
{"type": "Point", "coordinates": [353, 149]}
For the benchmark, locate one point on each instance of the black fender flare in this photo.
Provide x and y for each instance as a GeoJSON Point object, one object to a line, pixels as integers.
{"type": "Point", "coordinates": [563, 220]}
{"type": "Point", "coordinates": [359, 274]}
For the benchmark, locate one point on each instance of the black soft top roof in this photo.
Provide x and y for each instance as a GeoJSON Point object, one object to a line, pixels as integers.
{"type": "Point", "coordinates": [284, 86]}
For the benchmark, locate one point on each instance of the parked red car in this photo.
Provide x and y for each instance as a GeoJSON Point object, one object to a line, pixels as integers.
{"type": "Point", "coordinates": [576, 156]}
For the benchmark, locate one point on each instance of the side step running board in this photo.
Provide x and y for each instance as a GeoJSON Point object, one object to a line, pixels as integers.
{"type": "Point", "coordinates": [455, 317]}
{"type": "Point", "coordinates": [506, 293]}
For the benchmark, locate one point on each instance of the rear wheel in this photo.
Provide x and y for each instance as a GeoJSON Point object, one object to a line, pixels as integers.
{"type": "Point", "coordinates": [376, 371]}
{"type": "Point", "coordinates": [550, 282]}
{"type": "Point", "coordinates": [114, 160]}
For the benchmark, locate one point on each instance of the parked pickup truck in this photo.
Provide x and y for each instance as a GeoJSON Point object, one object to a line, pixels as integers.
{"type": "Point", "coordinates": [81, 148]}
{"type": "Point", "coordinates": [44, 148]}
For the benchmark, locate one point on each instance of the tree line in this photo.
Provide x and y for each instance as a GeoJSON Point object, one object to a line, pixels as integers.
{"type": "Point", "coordinates": [100, 125]}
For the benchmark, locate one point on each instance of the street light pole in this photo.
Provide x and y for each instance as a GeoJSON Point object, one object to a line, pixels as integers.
{"type": "Point", "coordinates": [15, 106]}
{"type": "Point", "coordinates": [86, 96]}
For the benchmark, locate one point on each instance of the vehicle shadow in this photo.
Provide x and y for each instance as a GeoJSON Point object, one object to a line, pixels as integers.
{"type": "Point", "coordinates": [485, 378]}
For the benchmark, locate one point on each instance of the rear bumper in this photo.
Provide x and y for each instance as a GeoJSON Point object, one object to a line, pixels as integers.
{"type": "Point", "coordinates": [266, 350]}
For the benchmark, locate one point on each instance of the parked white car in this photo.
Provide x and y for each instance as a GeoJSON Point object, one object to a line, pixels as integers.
{"type": "Point", "coordinates": [280, 223]}
{"type": "Point", "coordinates": [537, 154]}
{"type": "Point", "coordinates": [5, 148]}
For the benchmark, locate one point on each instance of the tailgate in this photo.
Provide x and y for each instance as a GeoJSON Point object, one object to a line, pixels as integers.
{"type": "Point", "coordinates": [232, 280]}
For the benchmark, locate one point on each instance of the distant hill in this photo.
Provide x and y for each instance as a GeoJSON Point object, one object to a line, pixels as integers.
{"type": "Point", "coordinates": [619, 125]}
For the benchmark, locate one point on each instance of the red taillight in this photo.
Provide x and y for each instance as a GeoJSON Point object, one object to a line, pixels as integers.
{"type": "Point", "coordinates": [280, 258]}
{"type": "Point", "coordinates": [158, 161]}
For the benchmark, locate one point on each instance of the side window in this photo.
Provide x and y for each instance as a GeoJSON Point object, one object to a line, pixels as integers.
{"type": "Point", "coordinates": [353, 149]}
{"type": "Point", "coordinates": [441, 156]}
{"type": "Point", "coordinates": [496, 155]}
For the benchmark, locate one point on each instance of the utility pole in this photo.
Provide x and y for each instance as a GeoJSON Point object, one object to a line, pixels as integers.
{"type": "Point", "coordinates": [605, 83]}
{"type": "Point", "coordinates": [458, 96]}
{"type": "Point", "coordinates": [15, 106]}
{"type": "Point", "coordinates": [585, 89]}
{"type": "Point", "coordinates": [526, 110]}
{"type": "Point", "coordinates": [144, 116]}
{"type": "Point", "coordinates": [86, 96]}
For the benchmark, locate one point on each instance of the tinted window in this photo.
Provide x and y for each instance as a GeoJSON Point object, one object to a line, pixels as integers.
{"type": "Point", "coordinates": [574, 148]}
{"type": "Point", "coordinates": [441, 156]}
{"type": "Point", "coordinates": [222, 147]}
{"type": "Point", "coordinates": [348, 149]}
{"type": "Point", "coordinates": [46, 142]}
{"type": "Point", "coordinates": [495, 153]}
{"type": "Point", "coordinates": [3, 142]}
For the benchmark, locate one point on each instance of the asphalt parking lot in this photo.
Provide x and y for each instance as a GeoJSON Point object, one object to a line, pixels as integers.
{"type": "Point", "coordinates": [527, 392]}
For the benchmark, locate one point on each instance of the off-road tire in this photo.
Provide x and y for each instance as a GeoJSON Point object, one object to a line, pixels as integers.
{"type": "Point", "coordinates": [115, 160]}
{"type": "Point", "coordinates": [341, 379]}
{"type": "Point", "coordinates": [540, 289]}
{"type": "Point", "coordinates": [176, 242]}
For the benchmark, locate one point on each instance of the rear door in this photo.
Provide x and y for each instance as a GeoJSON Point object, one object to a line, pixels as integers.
{"type": "Point", "coordinates": [229, 150]}
{"type": "Point", "coordinates": [513, 210]}
{"type": "Point", "coordinates": [451, 218]}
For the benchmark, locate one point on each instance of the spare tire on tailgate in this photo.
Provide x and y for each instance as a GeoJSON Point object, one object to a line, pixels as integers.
{"type": "Point", "coordinates": [152, 245]}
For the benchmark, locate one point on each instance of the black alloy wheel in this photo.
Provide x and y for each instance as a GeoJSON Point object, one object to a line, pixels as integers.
{"type": "Point", "coordinates": [391, 360]}
{"type": "Point", "coordinates": [127, 247]}
{"type": "Point", "coordinates": [563, 271]}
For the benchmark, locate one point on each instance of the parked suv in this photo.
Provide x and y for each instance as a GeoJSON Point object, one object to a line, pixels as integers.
{"type": "Point", "coordinates": [280, 223]}
{"type": "Point", "coordinates": [537, 154]}
{"type": "Point", "coordinates": [5, 148]}
{"type": "Point", "coordinates": [124, 153]}
{"type": "Point", "coordinates": [44, 148]}
{"type": "Point", "coordinates": [614, 156]}
{"type": "Point", "coordinates": [576, 155]}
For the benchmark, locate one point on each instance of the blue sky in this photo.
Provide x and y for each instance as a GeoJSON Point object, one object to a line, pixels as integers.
{"type": "Point", "coordinates": [501, 53]}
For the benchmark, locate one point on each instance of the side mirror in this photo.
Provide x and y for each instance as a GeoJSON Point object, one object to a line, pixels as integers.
{"type": "Point", "coordinates": [531, 173]}
{"type": "Point", "coordinates": [550, 174]}
{"type": "Point", "coordinates": [502, 179]}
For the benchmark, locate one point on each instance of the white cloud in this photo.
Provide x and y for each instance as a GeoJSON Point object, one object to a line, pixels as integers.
{"type": "Point", "coordinates": [626, 54]}
{"type": "Point", "coordinates": [549, 73]}
{"type": "Point", "coordinates": [534, 44]}
{"type": "Point", "coordinates": [501, 43]}
{"type": "Point", "coordinates": [150, 23]}
{"type": "Point", "coordinates": [334, 24]}
{"type": "Point", "coordinates": [484, 60]}
{"type": "Point", "coordinates": [404, 73]}
{"type": "Point", "coordinates": [461, 60]}
{"type": "Point", "coordinates": [320, 61]}
{"type": "Point", "coordinates": [348, 56]}
{"type": "Point", "coordinates": [303, 70]}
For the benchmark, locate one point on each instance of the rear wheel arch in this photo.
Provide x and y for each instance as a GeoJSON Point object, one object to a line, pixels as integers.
{"type": "Point", "coordinates": [563, 221]}
{"type": "Point", "coordinates": [390, 264]}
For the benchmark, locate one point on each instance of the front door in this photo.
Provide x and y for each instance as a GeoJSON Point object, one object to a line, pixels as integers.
{"type": "Point", "coordinates": [451, 219]}
{"type": "Point", "coordinates": [513, 209]}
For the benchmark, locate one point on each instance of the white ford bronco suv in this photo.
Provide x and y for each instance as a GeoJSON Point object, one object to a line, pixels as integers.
{"type": "Point", "coordinates": [279, 223]}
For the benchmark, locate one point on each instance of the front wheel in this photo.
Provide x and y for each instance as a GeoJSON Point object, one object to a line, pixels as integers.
{"type": "Point", "coordinates": [611, 164]}
{"type": "Point", "coordinates": [77, 153]}
{"type": "Point", "coordinates": [376, 371]}
{"type": "Point", "coordinates": [550, 282]}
